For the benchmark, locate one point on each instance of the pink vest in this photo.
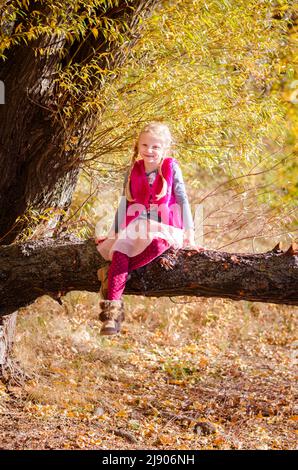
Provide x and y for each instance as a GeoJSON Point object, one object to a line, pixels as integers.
{"type": "Point", "coordinates": [167, 207]}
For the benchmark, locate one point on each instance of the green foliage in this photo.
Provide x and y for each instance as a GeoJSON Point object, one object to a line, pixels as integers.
{"type": "Point", "coordinates": [212, 70]}
{"type": "Point", "coordinates": [219, 72]}
{"type": "Point", "coordinates": [216, 72]}
{"type": "Point", "coordinates": [84, 38]}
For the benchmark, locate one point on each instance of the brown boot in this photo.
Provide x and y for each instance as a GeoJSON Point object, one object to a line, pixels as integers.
{"type": "Point", "coordinates": [112, 314]}
{"type": "Point", "coordinates": [102, 275]}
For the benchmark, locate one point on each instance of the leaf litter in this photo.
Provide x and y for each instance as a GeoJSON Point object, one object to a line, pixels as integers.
{"type": "Point", "coordinates": [214, 374]}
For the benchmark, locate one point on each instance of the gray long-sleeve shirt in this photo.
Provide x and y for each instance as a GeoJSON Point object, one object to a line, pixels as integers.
{"type": "Point", "coordinates": [180, 194]}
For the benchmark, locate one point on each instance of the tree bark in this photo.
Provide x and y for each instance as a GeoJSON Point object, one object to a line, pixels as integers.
{"type": "Point", "coordinates": [51, 267]}
{"type": "Point", "coordinates": [7, 329]}
{"type": "Point", "coordinates": [39, 165]}
{"type": "Point", "coordinates": [9, 368]}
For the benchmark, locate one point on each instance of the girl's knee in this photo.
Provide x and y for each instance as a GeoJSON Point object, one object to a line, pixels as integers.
{"type": "Point", "coordinates": [157, 244]}
{"type": "Point", "coordinates": [119, 257]}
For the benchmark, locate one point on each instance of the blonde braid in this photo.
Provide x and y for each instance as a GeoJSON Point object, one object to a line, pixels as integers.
{"type": "Point", "coordinates": [164, 188]}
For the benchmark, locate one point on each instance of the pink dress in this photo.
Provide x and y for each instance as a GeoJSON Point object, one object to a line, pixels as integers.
{"type": "Point", "coordinates": [137, 236]}
{"type": "Point", "coordinates": [139, 233]}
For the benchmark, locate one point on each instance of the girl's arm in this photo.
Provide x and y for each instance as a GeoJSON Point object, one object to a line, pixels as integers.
{"type": "Point", "coordinates": [182, 200]}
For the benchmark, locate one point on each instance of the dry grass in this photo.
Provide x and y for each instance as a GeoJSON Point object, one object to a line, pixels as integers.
{"type": "Point", "coordinates": [174, 367]}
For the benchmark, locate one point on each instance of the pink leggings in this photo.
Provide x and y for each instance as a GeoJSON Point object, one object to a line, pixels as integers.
{"type": "Point", "coordinates": [122, 265]}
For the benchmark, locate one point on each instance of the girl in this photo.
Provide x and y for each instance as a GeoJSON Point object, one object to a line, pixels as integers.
{"type": "Point", "coordinates": [153, 215]}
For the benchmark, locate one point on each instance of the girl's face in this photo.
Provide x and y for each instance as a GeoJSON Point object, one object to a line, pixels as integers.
{"type": "Point", "coordinates": [152, 149]}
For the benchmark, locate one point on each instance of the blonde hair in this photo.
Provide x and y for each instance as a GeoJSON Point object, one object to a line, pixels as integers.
{"type": "Point", "coordinates": [162, 131]}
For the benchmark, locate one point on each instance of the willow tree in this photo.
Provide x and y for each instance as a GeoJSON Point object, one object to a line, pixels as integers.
{"type": "Point", "coordinates": [206, 65]}
{"type": "Point", "coordinates": [47, 121]}
{"type": "Point", "coordinates": [47, 53]}
{"type": "Point", "coordinates": [216, 71]}
{"type": "Point", "coordinates": [212, 67]}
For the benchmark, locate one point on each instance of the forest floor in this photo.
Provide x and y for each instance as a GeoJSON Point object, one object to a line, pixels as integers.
{"type": "Point", "coordinates": [203, 374]}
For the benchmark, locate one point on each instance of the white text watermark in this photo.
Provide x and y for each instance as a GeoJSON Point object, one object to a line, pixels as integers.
{"type": "Point", "coordinates": [136, 221]}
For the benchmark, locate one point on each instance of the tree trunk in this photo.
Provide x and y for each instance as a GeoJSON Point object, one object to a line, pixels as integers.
{"type": "Point", "coordinates": [39, 167]}
{"type": "Point", "coordinates": [50, 267]}
{"type": "Point", "coordinates": [7, 328]}
{"type": "Point", "coordinates": [9, 369]}
{"type": "Point", "coordinates": [38, 161]}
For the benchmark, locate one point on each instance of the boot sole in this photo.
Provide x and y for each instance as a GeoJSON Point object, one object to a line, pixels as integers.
{"type": "Point", "coordinates": [109, 332]}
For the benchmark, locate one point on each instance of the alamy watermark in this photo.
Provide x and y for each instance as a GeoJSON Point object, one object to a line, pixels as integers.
{"type": "Point", "coordinates": [2, 92]}
{"type": "Point", "coordinates": [154, 219]}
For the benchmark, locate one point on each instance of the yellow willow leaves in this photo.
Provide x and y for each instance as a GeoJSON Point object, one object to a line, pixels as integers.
{"type": "Point", "coordinates": [25, 3]}
{"type": "Point", "coordinates": [95, 32]}
{"type": "Point", "coordinates": [206, 78]}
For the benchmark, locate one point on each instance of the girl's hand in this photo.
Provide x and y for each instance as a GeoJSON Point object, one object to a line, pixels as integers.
{"type": "Point", "coordinates": [193, 246]}
{"type": "Point", "coordinates": [99, 240]}
{"type": "Point", "coordinates": [110, 235]}
{"type": "Point", "coordinates": [189, 241]}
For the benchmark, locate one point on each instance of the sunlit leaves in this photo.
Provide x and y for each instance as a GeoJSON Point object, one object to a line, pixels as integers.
{"type": "Point", "coordinates": [209, 69]}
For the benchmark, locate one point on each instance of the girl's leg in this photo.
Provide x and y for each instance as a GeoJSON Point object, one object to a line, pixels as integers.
{"type": "Point", "coordinates": [122, 264]}
{"type": "Point", "coordinates": [112, 309]}
{"type": "Point", "coordinates": [156, 248]}
{"type": "Point", "coordinates": [117, 276]}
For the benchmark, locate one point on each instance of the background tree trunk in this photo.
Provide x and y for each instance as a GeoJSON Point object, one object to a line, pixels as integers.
{"type": "Point", "coordinates": [50, 267]}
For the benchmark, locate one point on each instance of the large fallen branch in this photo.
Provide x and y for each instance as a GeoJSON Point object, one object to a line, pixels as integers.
{"type": "Point", "coordinates": [32, 269]}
